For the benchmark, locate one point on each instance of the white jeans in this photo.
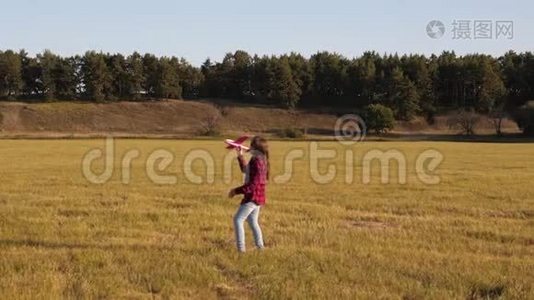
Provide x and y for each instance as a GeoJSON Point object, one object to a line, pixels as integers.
{"type": "Point", "coordinates": [249, 211]}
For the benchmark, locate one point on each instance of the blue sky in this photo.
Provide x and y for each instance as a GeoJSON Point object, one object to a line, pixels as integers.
{"type": "Point", "coordinates": [200, 29]}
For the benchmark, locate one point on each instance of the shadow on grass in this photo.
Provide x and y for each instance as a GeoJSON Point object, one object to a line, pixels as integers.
{"type": "Point", "coordinates": [321, 134]}
{"type": "Point", "coordinates": [486, 291]}
{"type": "Point", "coordinates": [75, 245]}
{"type": "Point", "coordinates": [506, 138]}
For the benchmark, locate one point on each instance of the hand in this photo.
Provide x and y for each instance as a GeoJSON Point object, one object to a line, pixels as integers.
{"type": "Point", "coordinates": [232, 193]}
{"type": "Point", "coordinates": [239, 151]}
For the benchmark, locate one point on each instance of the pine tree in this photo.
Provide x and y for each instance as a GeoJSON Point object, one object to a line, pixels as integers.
{"type": "Point", "coordinates": [136, 77]}
{"type": "Point", "coordinates": [403, 95]}
{"type": "Point", "coordinates": [151, 71]}
{"type": "Point", "coordinates": [120, 77]}
{"type": "Point", "coordinates": [10, 74]}
{"type": "Point", "coordinates": [48, 61]}
{"type": "Point", "coordinates": [284, 90]}
{"type": "Point", "coordinates": [96, 77]}
{"type": "Point", "coordinates": [168, 81]}
{"type": "Point", "coordinates": [31, 74]}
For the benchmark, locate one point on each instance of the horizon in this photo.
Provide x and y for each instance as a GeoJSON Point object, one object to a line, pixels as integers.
{"type": "Point", "coordinates": [459, 55]}
{"type": "Point", "coordinates": [202, 30]}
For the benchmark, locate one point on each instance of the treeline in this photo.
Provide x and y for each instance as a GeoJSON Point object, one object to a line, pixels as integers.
{"type": "Point", "coordinates": [409, 85]}
{"type": "Point", "coordinates": [96, 76]}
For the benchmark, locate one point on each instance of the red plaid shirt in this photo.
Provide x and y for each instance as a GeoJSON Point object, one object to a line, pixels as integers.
{"type": "Point", "coordinates": [254, 189]}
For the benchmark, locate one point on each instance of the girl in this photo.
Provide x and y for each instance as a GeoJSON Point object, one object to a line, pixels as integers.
{"type": "Point", "coordinates": [256, 176]}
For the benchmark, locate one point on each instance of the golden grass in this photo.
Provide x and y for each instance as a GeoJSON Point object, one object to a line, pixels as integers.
{"type": "Point", "coordinates": [471, 236]}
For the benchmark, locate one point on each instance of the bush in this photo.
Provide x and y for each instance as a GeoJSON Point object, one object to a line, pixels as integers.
{"type": "Point", "coordinates": [379, 118]}
{"type": "Point", "coordinates": [524, 118]}
{"type": "Point", "coordinates": [209, 126]}
{"type": "Point", "coordinates": [464, 120]}
{"type": "Point", "coordinates": [292, 133]}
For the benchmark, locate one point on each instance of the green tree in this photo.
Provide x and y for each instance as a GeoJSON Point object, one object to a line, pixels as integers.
{"type": "Point", "coordinates": [378, 118]}
{"type": "Point", "coordinates": [121, 80]}
{"type": "Point", "coordinates": [362, 76]}
{"type": "Point", "coordinates": [403, 96]}
{"type": "Point", "coordinates": [190, 79]}
{"type": "Point", "coordinates": [136, 76]}
{"type": "Point", "coordinates": [493, 100]}
{"type": "Point", "coordinates": [31, 74]}
{"type": "Point", "coordinates": [10, 74]}
{"type": "Point", "coordinates": [263, 78]}
{"type": "Point", "coordinates": [48, 62]}
{"type": "Point", "coordinates": [66, 79]}
{"type": "Point", "coordinates": [58, 77]}
{"type": "Point", "coordinates": [284, 89]}
{"type": "Point", "coordinates": [151, 71]}
{"type": "Point", "coordinates": [518, 76]}
{"type": "Point", "coordinates": [421, 71]}
{"type": "Point", "coordinates": [167, 80]}
{"type": "Point", "coordinates": [302, 73]}
{"type": "Point", "coordinates": [448, 82]}
{"type": "Point", "coordinates": [209, 85]}
{"type": "Point", "coordinates": [492, 90]}
{"type": "Point", "coordinates": [241, 74]}
{"type": "Point", "coordinates": [330, 75]}
{"type": "Point", "coordinates": [524, 116]}
{"type": "Point", "coordinates": [96, 77]}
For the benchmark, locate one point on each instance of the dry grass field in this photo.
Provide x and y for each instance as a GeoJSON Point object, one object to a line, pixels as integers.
{"type": "Point", "coordinates": [469, 237]}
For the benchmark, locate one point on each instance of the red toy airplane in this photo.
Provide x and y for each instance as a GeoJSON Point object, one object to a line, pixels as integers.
{"type": "Point", "coordinates": [232, 144]}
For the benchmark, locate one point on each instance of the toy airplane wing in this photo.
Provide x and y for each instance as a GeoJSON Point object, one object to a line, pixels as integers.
{"type": "Point", "coordinates": [241, 139]}
{"type": "Point", "coordinates": [236, 143]}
